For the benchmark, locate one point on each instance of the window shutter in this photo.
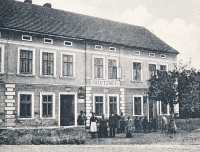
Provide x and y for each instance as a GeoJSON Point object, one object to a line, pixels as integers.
{"type": "Point", "coordinates": [119, 73]}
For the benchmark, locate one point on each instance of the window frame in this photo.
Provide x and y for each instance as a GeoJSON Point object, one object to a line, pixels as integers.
{"type": "Point", "coordinates": [54, 64]}
{"type": "Point", "coordinates": [117, 66]}
{"type": "Point", "coordinates": [104, 106]}
{"type": "Point", "coordinates": [110, 49]}
{"type": "Point", "coordinates": [33, 61]}
{"type": "Point", "coordinates": [136, 52]}
{"type": "Point", "coordinates": [148, 67]}
{"type": "Point", "coordinates": [136, 61]}
{"type": "Point", "coordinates": [96, 47]}
{"type": "Point", "coordinates": [163, 64]}
{"type": "Point", "coordinates": [108, 103]}
{"type": "Point", "coordinates": [159, 109]}
{"type": "Point", "coordinates": [104, 66]}
{"type": "Point", "coordinates": [74, 65]}
{"type": "Point", "coordinates": [32, 103]}
{"type": "Point", "coordinates": [53, 105]}
{"type": "Point", "coordinates": [2, 59]}
{"type": "Point", "coordinates": [48, 42]}
{"type": "Point", "coordinates": [142, 105]}
{"type": "Point", "coordinates": [71, 44]}
{"type": "Point", "coordinates": [152, 55]}
{"type": "Point", "coordinates": [27, 39]}
{"type": "Point", "coordinates": [163, 56]}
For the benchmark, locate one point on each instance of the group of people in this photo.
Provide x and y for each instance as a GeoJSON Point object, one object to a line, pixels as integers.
{"type": "Point", "coordinates": [115, 122]}
{"type": "Point", "coordinates": [108, 127]}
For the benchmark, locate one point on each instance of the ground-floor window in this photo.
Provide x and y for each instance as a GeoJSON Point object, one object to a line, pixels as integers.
{"type": "Point", "coordinates": [47, 105]}
{"type": "Point", "coordinates": [164, 108]}
{"type": "Point", "coordinates": [98, 105]}
{"type": "Point", "coordinates": [26, 105]}
{"type": "Point", "coordinates": [137, 105]}
{"type": "Point", "coordinates": [113, 104]}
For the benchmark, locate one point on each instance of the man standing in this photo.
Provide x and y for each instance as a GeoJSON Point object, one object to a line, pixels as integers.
{"type": "Point", "coordinates": [112, 125]}
{"type": "Point", "coordinates": [81, 118]}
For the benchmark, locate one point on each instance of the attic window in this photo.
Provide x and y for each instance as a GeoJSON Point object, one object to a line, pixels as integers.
{"type": "Point", "coordinates": [67, 43]}
{"type": "Point", "coordinates": [163, 56]}
{"type": "Point", "coordinates": [113, 49]}
{"type": "Point", "coordinates": [26, 38]}
{"type": "Point", "coordinates": [49, 41]}
{"type": "Point", "coordinates": [98, 47]}
{"type": "Point", "coordinates": [137, 52]}
{"type": "Point", "coordinates": [152, 54]}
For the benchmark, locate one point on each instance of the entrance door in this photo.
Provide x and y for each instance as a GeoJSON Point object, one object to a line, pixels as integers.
{"type": "Point", "coordinates": [67, 110]}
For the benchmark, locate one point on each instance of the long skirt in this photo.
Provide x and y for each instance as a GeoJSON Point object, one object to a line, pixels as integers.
{"type": "Point", "coordinates": [93, 127]}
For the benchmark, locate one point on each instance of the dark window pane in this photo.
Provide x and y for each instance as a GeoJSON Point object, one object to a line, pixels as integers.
{"type": "Point", "coordinates": [137, 105]}
{"type": "Point", "coordinates": [25, 106]}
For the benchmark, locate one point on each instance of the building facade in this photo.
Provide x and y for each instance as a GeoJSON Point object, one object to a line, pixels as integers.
{"type": "Point", "coordinates": [54, 64]}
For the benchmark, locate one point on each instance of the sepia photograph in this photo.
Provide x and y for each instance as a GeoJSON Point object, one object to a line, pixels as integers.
{"type": "Point", "coordinates": [99, 75]}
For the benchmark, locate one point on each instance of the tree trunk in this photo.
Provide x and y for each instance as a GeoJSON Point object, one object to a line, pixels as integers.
{"type": "Point", "coordinates": [171, 104]}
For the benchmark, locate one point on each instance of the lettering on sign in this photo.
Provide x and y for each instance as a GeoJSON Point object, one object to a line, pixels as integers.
{"type": "Point", "coordinates": [105, 82]}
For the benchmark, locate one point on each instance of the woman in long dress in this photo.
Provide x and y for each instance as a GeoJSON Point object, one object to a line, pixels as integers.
{"type": "Point", "coordinates": [93, 125]}
{"type": "Point", "coordinates": [129, 127]}
{"type": "Point", "coordinates": [172, 124]}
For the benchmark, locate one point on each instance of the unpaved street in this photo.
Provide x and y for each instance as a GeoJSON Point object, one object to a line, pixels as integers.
{"type": "Point", "coordinates": [99, 148]}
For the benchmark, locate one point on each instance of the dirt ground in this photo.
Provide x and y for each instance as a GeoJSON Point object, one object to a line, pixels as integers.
{"type": "Point", "coordinates": [156, 138]}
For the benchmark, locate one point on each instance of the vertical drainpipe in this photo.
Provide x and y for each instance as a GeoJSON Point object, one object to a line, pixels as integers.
{"type": "Point", "coordinates": [85, 42]}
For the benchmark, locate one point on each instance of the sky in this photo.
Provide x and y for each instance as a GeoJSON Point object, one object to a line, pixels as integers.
{"type": "Point", "coordinates": [176, 22]}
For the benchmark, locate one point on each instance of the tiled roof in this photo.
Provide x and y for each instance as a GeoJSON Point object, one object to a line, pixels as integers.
{"type": "Point", "coordinates": [34, 18]}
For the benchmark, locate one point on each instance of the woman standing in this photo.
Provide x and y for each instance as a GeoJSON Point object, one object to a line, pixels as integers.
{"type": "Point", "coordinates": [93, 125]}
{"type": "Point", "coordinates": [129, 128]}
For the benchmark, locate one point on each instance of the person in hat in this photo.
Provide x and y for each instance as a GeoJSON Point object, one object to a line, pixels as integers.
{"type": "Point", "coordinates": [93, 125]}
{"type": "Point", "coordinates": [81, 118]}
{"type": "Point", "coordinates": [145, 124]}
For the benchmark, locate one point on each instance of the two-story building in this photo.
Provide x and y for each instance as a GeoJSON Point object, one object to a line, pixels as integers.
{"type": "Point", "coordinates": [54, 63]}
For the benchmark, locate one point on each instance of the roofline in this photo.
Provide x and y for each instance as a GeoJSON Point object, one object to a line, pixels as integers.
{"type": "Point", "coordinates": [84, 39]}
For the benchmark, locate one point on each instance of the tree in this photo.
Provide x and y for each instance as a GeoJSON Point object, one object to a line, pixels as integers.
{"type": "Point", "coordinates": [162, 88]}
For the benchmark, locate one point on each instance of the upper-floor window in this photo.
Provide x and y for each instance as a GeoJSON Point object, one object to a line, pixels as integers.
{"type": "Point", "coordinates": [67, 43]}
{"type": "Point", "coordinates": [152, 54]}
{"type": "Point", "coordinates": [26, 61]}
{"type": "Point", "coordinates": [112, 49]}
{"type": "Point", "coordinates": [163, 56]}
{"type": "Point", "coordinates": [137, 52]}
{"type": "Point", "coordinates": [1, 58]}
{"type": "Point", "coordinates": [112, 69]}
{"type": "Point", "coordinates": [98, 67]}
{"type": "Point", "coordinates": [163, 68]}
{"type": "Point", "coordinates": [137, 105]}
{"type": "Point", "coordinates": [137, 71]}
{"type": "Point", "coordinates": [0, 33]}
{"type": "Point", "coordinates": [152, 70]}
{"type": "Point", "coordinates": [67, 65]}
{"type": "Point", "coordinates": [98, 47]}
{"type": "Point", "coordinates": [26, 106]}
{"type": "Point", "coordinates": [47, 63]}
{"type": "Point", "coordinates": [47, 40]}
{"type": "Point", "coordinates": [26, 38]}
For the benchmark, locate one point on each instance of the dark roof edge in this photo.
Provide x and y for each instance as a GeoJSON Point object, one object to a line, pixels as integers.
{"type": "Point", "coordinates": [84, 39]}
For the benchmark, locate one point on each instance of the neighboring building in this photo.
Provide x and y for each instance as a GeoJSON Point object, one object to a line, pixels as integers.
{"type": "Point", "coordinates": [55, 63]}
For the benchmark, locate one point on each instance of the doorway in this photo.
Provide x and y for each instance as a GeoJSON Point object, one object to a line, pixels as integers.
{"type": "Point", "coordinates": [67, 110]}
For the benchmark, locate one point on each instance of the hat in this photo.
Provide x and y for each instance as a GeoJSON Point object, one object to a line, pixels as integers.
{"type": "Point", "coordinates": [81, 111]}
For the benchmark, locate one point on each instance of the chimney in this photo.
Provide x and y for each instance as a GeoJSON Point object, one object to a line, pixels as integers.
{"type": "Point", "coordinates": [47, 5]}
{"type": "Point", "coordinates": [28, 1]}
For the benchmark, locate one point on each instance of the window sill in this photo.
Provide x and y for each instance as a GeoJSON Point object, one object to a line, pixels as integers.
{"type": "Point", "coordinates": [26, 118]}
{"type": "Point", "coordinates": [47, 76]}
{"type": "Point", "coordinates": [2, 73]}
{"type": "Point", "coordinates": [67, 77]}
{"type": "Point", "coordinates": [164, 114]}
{"type": "Point", "coordinates": [26, 75]}
{"type": "Point", "coordinates": [138, 115]}
{"type": "Point", "coordinates": [137, 81]}
{"type": "Point", "coordinates": [47, 118]}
